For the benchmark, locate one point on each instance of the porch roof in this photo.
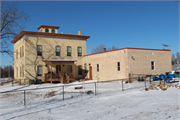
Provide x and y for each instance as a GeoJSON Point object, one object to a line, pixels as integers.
{"type": "Point", "coordinates": [58, 60]}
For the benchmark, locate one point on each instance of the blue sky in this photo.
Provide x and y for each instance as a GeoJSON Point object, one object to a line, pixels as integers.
{"type": "Point", "coordinates": [139, 24]}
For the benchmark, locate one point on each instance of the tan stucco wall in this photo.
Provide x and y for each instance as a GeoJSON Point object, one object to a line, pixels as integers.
{"type": "Point", "coordinates": [20, 62]}
{"type": "Point", "coordinates": [140, 64]}
{"type": "Point", "coordinates": [108, 65]}
{"type": "Point", "coordinates": [48, 52]}
{"type": "Point", "coordinates": [142, 61]}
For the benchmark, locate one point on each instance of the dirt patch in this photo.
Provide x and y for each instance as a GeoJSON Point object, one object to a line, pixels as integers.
{"type": "Point", "coordinates": [50, 94]}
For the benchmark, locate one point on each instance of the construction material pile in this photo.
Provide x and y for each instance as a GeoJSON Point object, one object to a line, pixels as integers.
{"type": "Point", "coordinates": [160, 86]}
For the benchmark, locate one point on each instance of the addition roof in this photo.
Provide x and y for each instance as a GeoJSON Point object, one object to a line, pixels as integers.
{"type": "Point", "coordinates": [129, 48]}
{"type": "Point", "coordinates": [22, 33]}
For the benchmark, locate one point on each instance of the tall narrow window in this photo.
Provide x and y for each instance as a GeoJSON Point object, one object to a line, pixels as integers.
{"type": "Point", "coordinates": [39, 70]}
{"type": "Point", "coordinates": [46, 30]}
{"type": "Point", "coordinates": [152, 65]}
{"type": "Point", "coordinates": [118, 66]}
{"type": "Point", "coordinates": [53, 31]}
{"type": "Point", "coordinates": [68, 51]}
{"type": "Point", "coordinates": [80, 70]}
{"type": "Point", "coordinates": [39, 50]}
{"type": "Point", "coordinates": [20, 71]}
{"type": "Point", "coordinates": [79, 52]}
{"type": "Point", "coordinates": [97, 67]}
{"type": "Point", "coordinates": [17, 54]}
{"type": "Point", "coordinates": [69, 69]}
{"type": "Point", "coordinates": [85, 66]}
{"type": "Point", "coordinates": [57, 51]}
{"type": "Point", "coordinates": [20, 52]}
{"type": "Point", "coordinates": [16, 71]}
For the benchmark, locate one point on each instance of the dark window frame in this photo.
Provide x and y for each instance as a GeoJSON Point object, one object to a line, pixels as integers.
{"type": "Point", "coordinates": [80, 70]}
{"type": "Point", "coordinates": [58, 53]}
{"type": "Point", "coordinates": [53, 30]}
{"type": "Point", "coordinates": [46, 30]}
{"type": "Point", "coordinates": [39, 53]}
{"type": "Point", "coordinates": [152, 65]}
{"type": "Point", "coordinates": [97, 67]}
{"type": "Point", "coordinates": [69, 53]}
{"type": "Point", "coordinates": [118, 66]}
{"type": "Point", "coordinates": [39, 71]}
{"type": "Point", "coordinates": [79, 53]}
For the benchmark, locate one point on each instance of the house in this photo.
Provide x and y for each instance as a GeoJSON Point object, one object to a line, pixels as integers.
{"type": "Point", "coordinates": [37, 54]}
{"type": "Point", "coordinates": [51, 56]}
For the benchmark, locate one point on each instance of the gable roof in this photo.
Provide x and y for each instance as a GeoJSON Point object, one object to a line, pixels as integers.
{"type": "Point", "coordinates": [129, 48]}
{"type": "Point", "coordinates": [22, 33]}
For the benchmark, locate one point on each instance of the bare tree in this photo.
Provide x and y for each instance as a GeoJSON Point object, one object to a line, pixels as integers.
{"type": "Point", "coordinates": [101, 47]}
{"type": "Point", "coordinates": [12, 22]}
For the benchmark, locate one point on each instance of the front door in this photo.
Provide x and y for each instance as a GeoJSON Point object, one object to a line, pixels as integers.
{"type": "Point", "coordinates": [58, 68]}
{"type": "Point", "coordinates": [90, 72]}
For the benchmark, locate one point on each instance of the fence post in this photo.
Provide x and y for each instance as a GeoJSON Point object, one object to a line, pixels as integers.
{"type": "Point", "coordinates": [95, 88]}
{"type": "Point", "coordinates": [24, 98]}
{"type": "Point", "coordinates": [63, 92]}
{"type": "Point", "coordinates": [122, 85]}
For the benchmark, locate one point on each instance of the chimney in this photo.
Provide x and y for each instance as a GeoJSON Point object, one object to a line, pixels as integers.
{"type": "Point", "coordinates": [79, 32]}
{"type": "Point", "coordinates": [104, 50]}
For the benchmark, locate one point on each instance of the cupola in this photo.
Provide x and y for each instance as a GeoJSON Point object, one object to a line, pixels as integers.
{"type": "Point", "coordinates": [48, 29]}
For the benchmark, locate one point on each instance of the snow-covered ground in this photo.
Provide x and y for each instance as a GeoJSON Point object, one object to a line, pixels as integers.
{"type": "Point", "coordinates": [110, 103]}
{"type": "Point", "coordinates": [5, 80]}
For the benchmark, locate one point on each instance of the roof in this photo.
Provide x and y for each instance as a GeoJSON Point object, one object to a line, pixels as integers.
{"type": "Point", "coordinates": [129, 48]}
{"type": "Point", "coordinates": [48, 26]}
{"type": "Point", "coordinates": [22, 33]}
{"type": "Point", "coordinates": [58, 60]}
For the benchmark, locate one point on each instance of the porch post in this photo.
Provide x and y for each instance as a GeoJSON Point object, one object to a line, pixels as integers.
{"type": "Point", "coordinates": [51, 73]}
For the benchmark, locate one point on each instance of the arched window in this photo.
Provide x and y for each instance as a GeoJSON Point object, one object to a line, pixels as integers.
{"type": "Point", "coordinates": [57, 50]}
{"type": "Point", "coordinates": [46, 30]}
{"type": "Point", "coordinates": [53, 31]}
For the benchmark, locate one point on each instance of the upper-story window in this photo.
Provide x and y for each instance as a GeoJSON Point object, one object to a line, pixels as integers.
{"type": "Point", "coordinates": [79, 51]}
{"type": "Point", "coordinates": [68, 51]}
{"type": "Point", "coordinates": [39, 50]}
{"type": "Point", "coordinates": [53, 31]}
{"type": "Point", "coordinates": [57, 50]}
{"type": "Point", "coordinates": [17, 54]}
{"type": "Point", "coordinates": [46, 30]}
{"type": "Point", "coordinates": [118, 66]}
{"type": "Point", "coordinates": [97, 67]}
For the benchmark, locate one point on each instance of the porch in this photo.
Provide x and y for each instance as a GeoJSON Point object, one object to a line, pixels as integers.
{"type": "Point", "coordinates": [60, 70]}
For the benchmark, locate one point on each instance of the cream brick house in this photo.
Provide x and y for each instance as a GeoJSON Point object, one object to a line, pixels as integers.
{"type": "Point", "coordinates": [37, 54]}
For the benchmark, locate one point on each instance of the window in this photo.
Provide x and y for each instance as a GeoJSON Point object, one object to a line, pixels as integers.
{"type": "Point", "coordinates": [16, 71]}
{"type": "Point", "coordinates": [85, 66]}
{"type": "Point", "coordinates": [79, 51]}
{"type": "Point", "coordinates": [57, 51]}
{"type": "Point", "coordinates": [53, 31]}
{"type": "Point", "coordinates": [152, 65]}
{"type": "Point", "coordinates": [39, 70]}
{"type": "Point", "coordinates": [118, 66]}
{"type": "Point", "coordinates": [80, 70]}
{"type": "Point", "coordinates": [17, 54]}
{"type": "Point", "coordinates": [39, 50]}
{"type": "Point", "coordinates": [68, 51]}
{"type": "Point", "coordinates": [20, 52]}
{"type": "Point", "coordinates": [22, 71]}
{"type": "Point", "coordinates": [46, 30]}
{"type": "Point", "coordinates": [97, 67]}
{"type": "Point", "coordinates": [69, 69]}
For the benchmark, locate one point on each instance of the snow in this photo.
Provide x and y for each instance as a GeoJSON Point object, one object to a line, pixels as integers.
{"type": "Point", "coordinates": [110, 103]}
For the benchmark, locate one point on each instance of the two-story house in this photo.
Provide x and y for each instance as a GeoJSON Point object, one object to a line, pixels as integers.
{"type": "Point", "coordinates": [47, 51]}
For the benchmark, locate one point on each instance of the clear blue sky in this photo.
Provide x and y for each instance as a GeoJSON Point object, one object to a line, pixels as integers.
{"type": "Point", "coordinates": [123, 24]}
